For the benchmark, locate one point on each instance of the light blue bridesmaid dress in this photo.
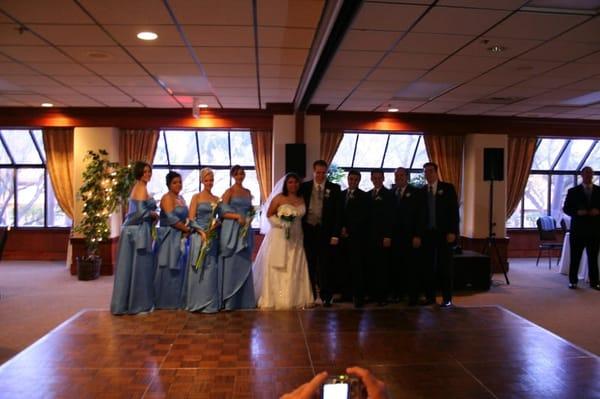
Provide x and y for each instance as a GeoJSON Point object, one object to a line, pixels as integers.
{"type": "Point", "coordinates": [202, 286]}
{"type": "Point", "coordinates": [171, 257]}
{"type": "Point", "coordinates": [133, 291]}
{"type": "Point", "coordinates": [235, 258]}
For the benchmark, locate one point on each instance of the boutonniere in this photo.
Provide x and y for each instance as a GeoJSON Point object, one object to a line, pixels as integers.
{"type": "Point", "coordinates": [378, 198]}
{"type": "Point", "coordinates": [407, 195]}
{"type": "Point", "coordinates": [327, 192]}
{"type": "Point", "coordinates": [440, 192]}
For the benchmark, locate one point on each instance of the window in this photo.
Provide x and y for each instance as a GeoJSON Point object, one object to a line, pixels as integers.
{"type": "Point", "coordinates": [26, 195]}
{"type": "Point", "coordinates": [188, 151]}
{"type": "Point", "coordinates": [556, 167]}
{"type": "Point", "coordinates": [367, 151]}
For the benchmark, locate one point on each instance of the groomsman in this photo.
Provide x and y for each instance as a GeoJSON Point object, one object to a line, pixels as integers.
{"type": "Point", "coordinates": [439, 223]}
{"type": "Point", "coordinates": [380, 236]}
{"type": "Point", "coordinates": [583, 205]}
{"type": "Point", "coordinates": [321, 229]}
{"type": "Point", "coordinates": [354, 222]}
{"type": "Point", "coordinates": [404, 279]}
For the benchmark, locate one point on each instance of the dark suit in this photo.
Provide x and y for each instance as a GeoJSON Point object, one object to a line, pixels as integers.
{"type": "Point", "coordinates": [403, 276]}
{"type": "Point", "coordinates": [380, 227]}
{"type": "Point", "coordinates": [354, 218]}
{"type": "Point", "coordinates": [585, 231]}
{"type": "Point", "coordinates": [317, 237]}
{"type": "Point", "coordinates": [437, 252]}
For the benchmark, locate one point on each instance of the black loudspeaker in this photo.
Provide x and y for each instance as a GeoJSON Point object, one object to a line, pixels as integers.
{"type": "Point", "coordinates": [295, 159]}
{"type": "Point", "coordinates": [493, 164]}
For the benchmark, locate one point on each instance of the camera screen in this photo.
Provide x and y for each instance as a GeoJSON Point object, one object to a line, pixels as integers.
{"type": "Point", "coordinates": [335, 391]}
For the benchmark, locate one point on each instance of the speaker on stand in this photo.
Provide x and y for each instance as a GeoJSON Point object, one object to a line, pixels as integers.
{"type": "Point", "coordinates": [295, 159]}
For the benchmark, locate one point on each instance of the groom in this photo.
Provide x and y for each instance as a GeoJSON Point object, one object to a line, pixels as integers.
{"type": "Point", "coordinates": [321, 228]}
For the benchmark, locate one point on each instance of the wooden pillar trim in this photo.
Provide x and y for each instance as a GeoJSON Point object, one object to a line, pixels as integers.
{"type": "Point", "coordinates": [299, 117]}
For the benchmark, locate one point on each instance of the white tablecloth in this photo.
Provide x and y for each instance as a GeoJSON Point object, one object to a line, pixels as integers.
{"type": "Point", "coordinates": [565, 259]}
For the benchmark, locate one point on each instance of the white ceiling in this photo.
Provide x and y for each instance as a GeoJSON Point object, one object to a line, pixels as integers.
{"type": "Point", "coordinates": [418, 55]}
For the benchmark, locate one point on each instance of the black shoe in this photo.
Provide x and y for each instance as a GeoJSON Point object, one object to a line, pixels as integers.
{"type": "Point", "coordinates": [572, 286]}
{"type": "Point", "coordinates": [446, 304]}
{"type": "Point", "coordinates": [327, 303]}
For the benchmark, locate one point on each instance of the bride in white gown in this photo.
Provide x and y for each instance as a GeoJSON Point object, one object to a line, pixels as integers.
{"type": "Point", "coordinates": [280, 270]}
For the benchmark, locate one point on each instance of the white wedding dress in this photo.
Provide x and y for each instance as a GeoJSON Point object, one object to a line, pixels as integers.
{"type": "Point", "coordinates": [280, 270]}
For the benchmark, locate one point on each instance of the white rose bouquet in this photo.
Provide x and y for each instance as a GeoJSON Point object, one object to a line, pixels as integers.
{"type": "Point", "coordinates": [287, 213]}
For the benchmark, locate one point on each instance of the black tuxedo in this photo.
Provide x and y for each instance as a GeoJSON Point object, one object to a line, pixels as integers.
{"type": "Point", "coordinates": [380, 226]}
{"type": "Point", "coordinates": [403, 276]}
{"type": "Point", "coordinates": [585, 231]}
{"type": "Point", "coordinates": [434, 227]}
{"type": "Point", "coordinates": [354, 220]}
{"type": "Point", "coordinates": [317, 236]}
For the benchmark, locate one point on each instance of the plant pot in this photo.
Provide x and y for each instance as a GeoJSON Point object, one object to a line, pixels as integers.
{"type": "Point", "coordinates": [88, 268]}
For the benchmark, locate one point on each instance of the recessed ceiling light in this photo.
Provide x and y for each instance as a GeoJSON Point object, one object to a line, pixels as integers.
{"type": "Point", "coordinates": [147, 36]}
{"type": "Point", "coordinates": [496, 49]}
{"type": "Point", "coordinates": [391, 109]}
{"type": "Point", "coordinates": [202, 105]}
{"type": "Point", "coordinates": [47, 105]}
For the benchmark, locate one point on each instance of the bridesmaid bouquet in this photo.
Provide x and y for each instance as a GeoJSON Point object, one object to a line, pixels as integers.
{"type": "Point", "coordinates": [211, 233]}
{"type": "Point", "coordinates": [287, 213]}
{"type": "Point", "coordinates": [249, 216]}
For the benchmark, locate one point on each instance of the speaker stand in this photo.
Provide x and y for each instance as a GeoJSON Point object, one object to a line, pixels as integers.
{"type": "Point", "coordinates": [491, 247]}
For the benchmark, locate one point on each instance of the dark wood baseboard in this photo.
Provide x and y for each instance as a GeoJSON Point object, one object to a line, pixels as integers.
{"type": "Point", "coordinates": [34, 243]}
{"type": "Point", "coordinates": [481, 245]}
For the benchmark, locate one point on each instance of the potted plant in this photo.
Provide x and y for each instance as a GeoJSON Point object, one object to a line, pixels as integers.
{"type": "Point", "coordinates": [106, 185]}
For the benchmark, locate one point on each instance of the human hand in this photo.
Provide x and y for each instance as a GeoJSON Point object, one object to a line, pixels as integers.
{"type": "Point", "coordinates": [154, 216]}
{"type": "Point", "coordinates": [416, 242]}
{"type": "Point", "coordinates": [334, 241]}
{"type": "Point", "coordinates": [450, 237]}
{"type": "Point", "coordinates": [387, 242]}
{"type": "Point", "coordinates": [307, 390]}
{"type": "Point", "coordinates": [202, 234]}
{"type": "Point", "coordinates": [375, 388]}
{"type": "Point", "coordinates": [582, 212]}
{"type": "Point", "coordinates": [241, 220]}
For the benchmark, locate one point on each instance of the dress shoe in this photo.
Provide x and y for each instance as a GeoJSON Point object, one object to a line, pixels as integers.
{"type": "Point", "coordinates": [572, 286]}
{"type": "Point", "coordinates": [446, 304]}
{"type": "Point", "coordinates": [327, 303]}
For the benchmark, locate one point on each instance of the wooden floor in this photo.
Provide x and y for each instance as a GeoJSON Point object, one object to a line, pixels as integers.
{"type": "Point", "coordinates": [484, 352]}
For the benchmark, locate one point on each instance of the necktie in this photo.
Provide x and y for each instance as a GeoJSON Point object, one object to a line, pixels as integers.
{"type": "Point", "coordinates": [319, 192]}
{"type": "Point", "coordinates": [431, 207]}
{"type": "Point", "coordinates": [588, 193]}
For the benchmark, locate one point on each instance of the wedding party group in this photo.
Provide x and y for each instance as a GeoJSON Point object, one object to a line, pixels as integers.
{"type": "Point", "coordinates": [319, 242]}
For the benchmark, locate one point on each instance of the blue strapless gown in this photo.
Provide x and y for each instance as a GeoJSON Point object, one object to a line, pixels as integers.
{"type": "Point", "coordinates": [133, 291]}
{"type": "Point", "coordinates": [171, 257]}
{"type": "Point", "coordinates": [202, 287]}
{"type": "Point", "coordinates": [235, 258]}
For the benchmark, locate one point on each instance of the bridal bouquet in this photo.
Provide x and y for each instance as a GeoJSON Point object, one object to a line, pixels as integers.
{"type": "Point", "coordinates": [211, 233]}
{"type": "Point", "coordinates": [249, 216]}
{"type": "Point", "coordinates": [287, 213]}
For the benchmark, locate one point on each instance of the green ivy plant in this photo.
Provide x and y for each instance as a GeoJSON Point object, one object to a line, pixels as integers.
{"type": "Point", "coordinates": [106, 185]}
{"type": "Point", "coordinates": [335, 174]}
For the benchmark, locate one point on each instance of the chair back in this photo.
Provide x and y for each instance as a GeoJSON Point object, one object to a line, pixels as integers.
{"type": "Point", "coordinates": [546, 226]}
{"type": "Point", "coordinates": [563, 226]}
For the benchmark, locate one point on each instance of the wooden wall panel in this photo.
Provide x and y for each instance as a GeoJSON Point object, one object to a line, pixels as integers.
{"type": "Point", "coordinates": [37, 244]}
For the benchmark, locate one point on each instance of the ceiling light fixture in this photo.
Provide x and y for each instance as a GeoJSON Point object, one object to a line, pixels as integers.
{"type": "Point", "coordinates": [47, 105]}
{"type": "Point", "coordinates": [496, 49]}
{"type": "Point", "coordinates": [202, 105]}
{"type": "Point", "coordinates": [392, 109]}
{"type": "Point", "coordinates": [147, 36]}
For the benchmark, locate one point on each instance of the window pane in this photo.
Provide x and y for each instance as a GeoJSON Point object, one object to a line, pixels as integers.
{"type": "Point", "coordinates": [546, 153]}
{"type": "Point", "coordinates": [214, 148]}
{"type": "Point", "coordinates": [30, 197]}
{"type": "Point", "coordinates": [574, 154]}
{"type": "Point", "coordinates": [4, 158]}
{"type": "Point", "coordinates": [536, 199]}
{"type": "Point", "coordinates": [344, 153]}
{"type": "Point", "coordinates": [56, 216]}
{"type": "Point", "coordinates": [21, 146]}
{"type": "Point", "coordinates": [191, 184]}
{"type": "Point", "coordinates": [400, 150]}
{"type": "Point", "coordinates": [160, 158]}
{"type": "Point", "coordinates": [388, 179]}
{"type": "Point", "coordinates": [222, 182]}
{"type": "Point", "coordinates": [7, 198]}
{"type": "Point", "coordinates": [241, 149]}
{"type": "Point", "coordinates": [421, 157]}
{"type": "Point", "coordinates": [514, 221]}
{"type": "Point", "coordinates": [365, 182]}
{"type": "Point", "coordinates": [593, 160]}
{"type": "Point", "coordinates": [369, 150]}
{"type": "Point", "coordinates": [560, 184]}
{"type": "Point", "coordinates": [157, 184]}
{"type": "Point", "coordinates": [37, 135]}
{"type": "Point", "coordinates": [181, 145]}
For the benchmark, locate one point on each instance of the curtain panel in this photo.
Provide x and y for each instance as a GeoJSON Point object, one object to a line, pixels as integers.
{"type": "Point", "coordinates": [447, 152]}
{"type": "Point", "coordinates": [330, 141]}
{"type": "Point", "coordinates": [58, 144]}
{"type": "Point", "coordinates": [137, 145]}
{"type": "Point", "coordinates": [520, 158]}
{"type": "Point", "coordinates": [262, 147]}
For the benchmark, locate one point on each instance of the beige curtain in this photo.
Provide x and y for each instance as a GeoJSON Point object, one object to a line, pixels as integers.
{"type": "Point", "coordinates": [262, 146]}
{"type": "Point", "coordinates": [137, 145]}
{"type": "Point", "coordinates": [520, 157]}
{"type": "Point", "coordinates": [447, 152]}
{"type": "Point", "coordinates": [330, 141]}
{"type": "Point", "coordinates": [58, 144]}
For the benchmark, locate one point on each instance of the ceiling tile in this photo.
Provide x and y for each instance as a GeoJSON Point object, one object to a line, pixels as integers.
{"type": "Point", "coordinates": [334, 93]}
{"type": "Point", "coordinates": [6, 101]}
{"type": "Point", "coordinates": [161, 54]}
{"type": "Point", "coordinates": [333, 84]}
{"type": "Point", "coordinates": [561, 51]}
{"type": "Point", "coordinates": [230, 55]}
{"type": "Point", "coordinates": [589, 32]}
{"type": "Point", "coordinates": [145, 12]}
{"type": "Point", "coordinates": [358, 105]}
{"type": "Point", "coordinates": [61, 69]}
{"type": "Point", "coordinates": [126, 35]}
{"type": "Point", "coordinates": [31, 100]}
{"type": "Point", "coordinates": [237, 102]}
{"type": "Point", "coordinates": [590, 59]}
{"type": "Point", "coordinates": [96, 91]}
{"type": "Point", "coordinates": [34, 54]}
{"type": "Point", "coordinates": [280, 93]}
{"type": "Point", "coordinates": [46, 12]}
{"type": "Point", "coordinates": [472, 109]}
{"type": "Point", "coordinates": [527, 68]}
{"type": "Point", "coordinates": [97, 54]}
{"type": "Point", "coordinates": [402, 106]}
{"type": "Point", "coordinates": [517, 107]}
{"type": "Point", "coordinates": [369, 40]}
{"type": "Point", "coordinates": [57, 90]}
{"type": "Point", "coordinates": [283, 56]}
{"type": "Point", "coordinates": [396, 75]}
{"type": "Point", "coordinates": [293, 13]}
{"type": "Point", "coordinates": [220, 36]}
{"type": "Point", "coordinates": [382, 95]}
{"type": "Point", "coordinates": [554, 97]}
{"type": "Point", "coordinates": [280, 71]}
{"type": "Point", "coordinates": [548, 82]}
{"type": "Point", "coordinates": [7, 86]}
{"type": "Point", "coordinates": [497, 77]}
{"type": "Point", "coordinates": [213, 12]}
{"type": "Point", "coordinates": [462, 21]}
{"type": "Point", "coordinates": [347, 73]}
{"type": "Point", "coordinates": [468, 92]}
{"type": "Point", "coordinates": [79, 100]}
{"type": "Point", "coordinates": [82, 81]}
{"type": "Point", "coordinates": [270, 36]}
{"type": "Point", "coordinates": [237, 70]}
{"type": "Point", "coordinates": [580, 71]}
{"type": "Point", "coordinates": [242, 92]}
{"type": "Point", "coordinates": [233, 82]}
{"type": "Point", "coordinates": [411, 60]}
{"type": "Point", "coordinates": [173, 69]}
{"type": "Point", "coordinates": [31, 81]}
{"type": "Point", "coordinates": [14, 68]}
{"type": "Point", "coordinates": [11, 35]}
{"type": "Point", "coordinates": [144, 91]}
{"type": "Point", "coordinates": [188, 101]}
{"type": "Point", "coordinates": [274, 83]}
{"type": "Point", "coordinates": [455, 77]}
{"type": "Point", "coordinates": [512, 47]}
{"type": "Point", "coordinates": [117, 69]}
{"type": "Point", "coordinates": [186, 84]}
{"type": "Point", "coordinates": [165, 101]}
{"type": "Point", "coordinates": [536, 26]}
{"type": "Point", "coordinates": [387, 16]}
{"type": "Point", "coordinates": [432, 43]}
{"type": "Point", "coordinates": [438, 106]}
{"type": "Point", "coordinates": [132, 81]}
{"type": "Point", "coordinates": [586, 84]}
{"type": "Point", "coordinates": [469, 63]}
{"type": "Point", "coordinates": [519, 91]}
{"type": "Point", "coordinates": [491, 4]}
{"type": "Point", "coordinates": [73, 35]}
{"type": "Point", "coordinates": [345, 58]}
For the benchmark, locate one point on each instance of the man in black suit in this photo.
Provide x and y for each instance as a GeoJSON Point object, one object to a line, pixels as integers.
{"type": "Point", "coordinates": [439, 227]}
{"type": "Point", "coordinates": [583, 205]}
{"type": "Point", "coordinates": [380, 237]}
{"type": "Point", "coordinates": [404, 273]}
{"type": "Point", "coordinates": [354, 222]}
{"type": "Point", "coordinates": [321, 229]}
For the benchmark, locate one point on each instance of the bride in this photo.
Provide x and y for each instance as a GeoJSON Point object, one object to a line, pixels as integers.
{"type": "Point", "coordinates": [280, 269]}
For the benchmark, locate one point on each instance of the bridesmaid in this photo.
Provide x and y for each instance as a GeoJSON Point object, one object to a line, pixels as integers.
{"type": "Point", "coordinates": [171, 245]}
{"type": "Point", "coordinates": [133, 291]}
{"type": "Point", "coordinates": [236, 251]}
{"type": "Point", "coordinates": [202, 284]}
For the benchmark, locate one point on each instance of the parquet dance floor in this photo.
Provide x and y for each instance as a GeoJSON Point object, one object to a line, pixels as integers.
{"type": "Point", "coordinates": [484, 352]}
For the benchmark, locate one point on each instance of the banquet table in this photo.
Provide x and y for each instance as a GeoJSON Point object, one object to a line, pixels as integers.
{"type": "Point", "coordinates": [565, 260]}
